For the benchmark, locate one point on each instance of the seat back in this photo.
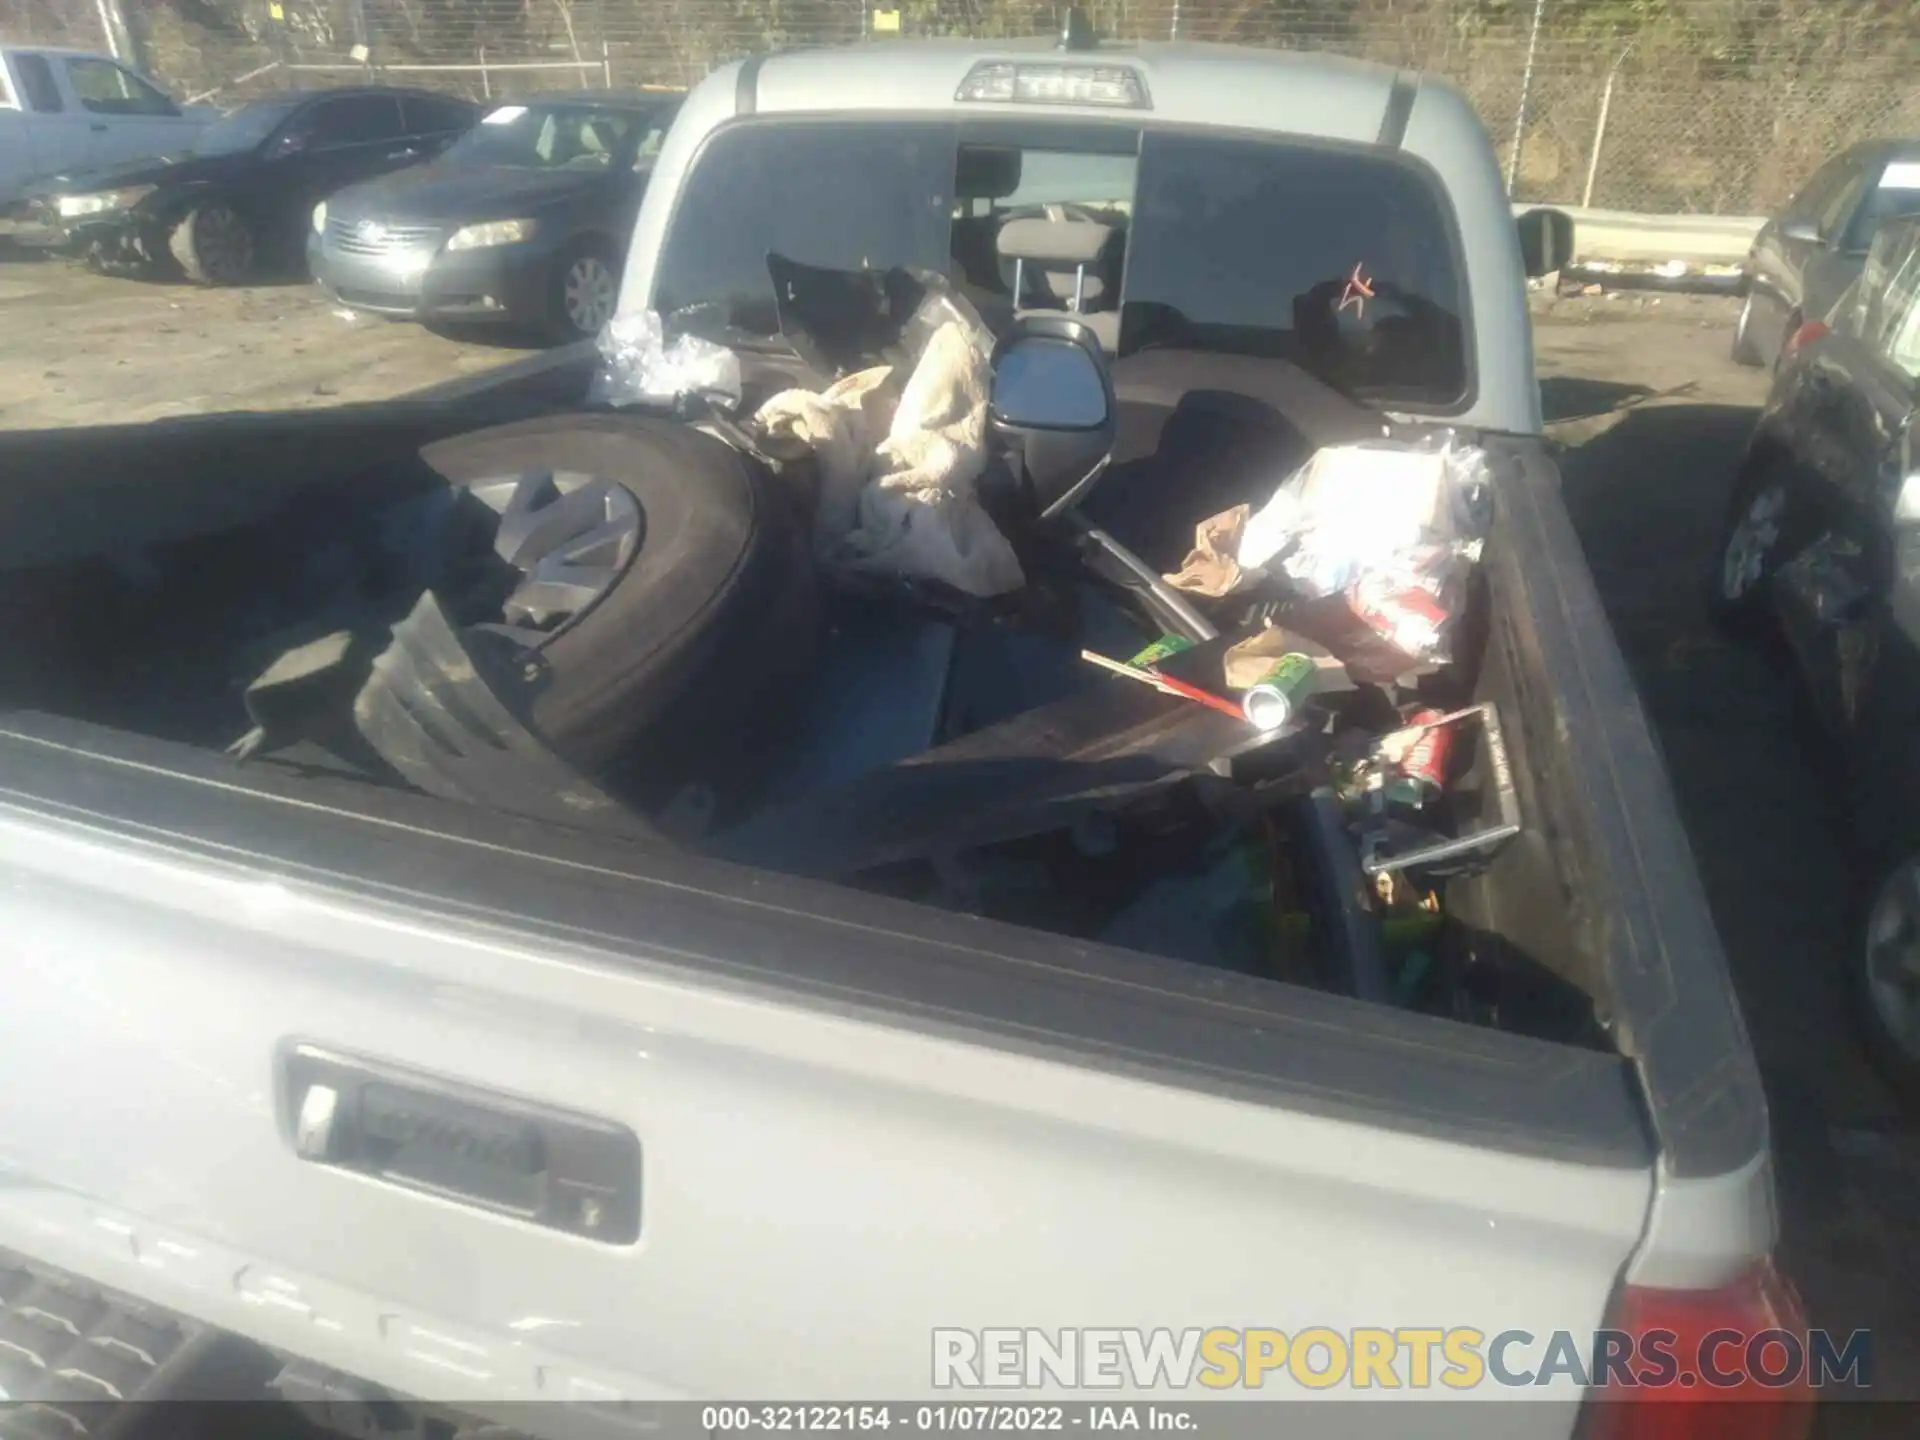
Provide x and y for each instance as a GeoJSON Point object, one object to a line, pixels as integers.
{"type": "Point", "coordinates": [1068, 262]}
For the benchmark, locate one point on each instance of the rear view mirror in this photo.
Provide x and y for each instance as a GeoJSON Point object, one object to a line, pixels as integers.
{"type": "Point", "coordinates": [1546, 241]}
{"type": "Point", "coordinates": [1052, 403]}
{"type": "Point", "coordinates": [1801, 232]}
{"type": "Point", "coordinates": [1044, 383]}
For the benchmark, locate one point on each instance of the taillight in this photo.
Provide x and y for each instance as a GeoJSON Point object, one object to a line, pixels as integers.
{"type": "Point", "coordinates": [1716, 1329]}
{"type": "Point", "coordinates": [1805, 335]}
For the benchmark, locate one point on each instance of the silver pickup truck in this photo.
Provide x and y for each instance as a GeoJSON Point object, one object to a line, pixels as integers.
{"type": "Point", "coordinates": [593, 962]}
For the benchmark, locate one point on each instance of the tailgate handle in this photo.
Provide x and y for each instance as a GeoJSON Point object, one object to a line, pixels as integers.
{"type": "Point", "coordinates": [557, 1169]}
{"type": "Point", "coordinates": [396, 1121]}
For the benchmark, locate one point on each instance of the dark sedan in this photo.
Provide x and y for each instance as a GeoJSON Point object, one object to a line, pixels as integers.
{"type": "Point", "coordinates": [1803, 258]}
{"type": "Point", "coordinates": [524, 221]}
{"type": "Point", "coordinates": [238, 203]}
{"type": "Point", "coordinates": [1823, 542]}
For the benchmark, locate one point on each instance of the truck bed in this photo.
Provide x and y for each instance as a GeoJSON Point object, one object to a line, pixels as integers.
{"type": "Point", "coordinates": [832, 1092]}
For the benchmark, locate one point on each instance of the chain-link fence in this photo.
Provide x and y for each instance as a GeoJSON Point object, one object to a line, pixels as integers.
{"type": "Point", "coordinates": [1705, 106]}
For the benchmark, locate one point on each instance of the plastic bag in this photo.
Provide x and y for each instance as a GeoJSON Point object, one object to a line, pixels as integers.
{"type": "Point", "coordinates": [1355, 508]}
{"type": "Point", "coordinates": [1393, 527]}
{"type": "Point", "coordinates": [641, 366]}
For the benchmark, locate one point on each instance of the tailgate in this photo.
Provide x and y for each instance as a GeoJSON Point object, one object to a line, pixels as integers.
{"type": "Point", "coordinates": [851, 1122]}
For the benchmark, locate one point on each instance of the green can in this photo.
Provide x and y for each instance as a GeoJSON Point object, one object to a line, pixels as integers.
{"type": "Point", "coordinates": [1160, 649]}
{"type": "Point", "coordinates": [1274, 699]}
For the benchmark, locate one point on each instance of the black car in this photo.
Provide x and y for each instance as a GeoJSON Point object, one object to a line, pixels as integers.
{"type": "Point", "coordinates": [238, 203]}
{"type": "Point", "coordinates": [1823, 542]}
{"type": "Point", "coordinates": [525, 220]}
{"type": "Point", "coordinates": [1803, 258]}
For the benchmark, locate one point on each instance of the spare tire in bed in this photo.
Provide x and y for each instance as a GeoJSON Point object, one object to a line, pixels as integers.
{"type": "Point", "coordinates": [659, 606]}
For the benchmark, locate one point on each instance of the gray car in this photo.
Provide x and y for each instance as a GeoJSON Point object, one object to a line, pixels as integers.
{"type": "Point", "coordinates": [1804, 257]}
{"type": "Point", "coordinates": [523, 221]}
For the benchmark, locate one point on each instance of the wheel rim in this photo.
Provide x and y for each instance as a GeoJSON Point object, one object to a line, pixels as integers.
{"type": "Point", "coordinates": [1751, 545]}
{"type": "Point", "coordinates": [220, 239]}
{"type": "Point", "coordinates": [1893, 958]}
{"type": "Point", "coordinates": [570, 535]}
{"type": "Point", "coordinates": [590, 293]}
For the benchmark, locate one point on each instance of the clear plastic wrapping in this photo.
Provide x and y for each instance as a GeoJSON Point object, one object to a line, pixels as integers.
{"type": "Point", "coordinates": [643, 366]}
{"type": "Point", "coordinates": [1394, 526]}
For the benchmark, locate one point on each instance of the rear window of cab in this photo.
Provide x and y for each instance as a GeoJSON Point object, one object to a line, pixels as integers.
{"type": "Point", "coordinates": [1342, 259]}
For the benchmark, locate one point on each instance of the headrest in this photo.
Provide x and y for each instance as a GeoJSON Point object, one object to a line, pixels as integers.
{"type": "Point", "coordinates": [1054, 242]}
{"type": "Point", "coordinates": [986, 173]}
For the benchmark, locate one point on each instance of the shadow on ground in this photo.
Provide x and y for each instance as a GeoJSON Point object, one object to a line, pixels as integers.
{"type": "Point", "coordinates": [1647, 497]}
{"type": "Point", "coordinates": [493, 336]}
{"type": "Point", "coordinates": [1577, 397]}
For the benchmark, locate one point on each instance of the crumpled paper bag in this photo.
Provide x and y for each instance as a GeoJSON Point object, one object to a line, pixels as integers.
{"type": "Point", "coordinates": [838, 427]}
{"type": "Point", "coordinates": [1210, 567]}
{"type": "Point", "coordinates": [920, 515]}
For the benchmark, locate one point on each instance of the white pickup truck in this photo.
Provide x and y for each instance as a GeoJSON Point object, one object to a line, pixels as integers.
{"type": "Point", "coordinates": [64, 110]}
{"type": "Point", "coordinates": [373, 1000]}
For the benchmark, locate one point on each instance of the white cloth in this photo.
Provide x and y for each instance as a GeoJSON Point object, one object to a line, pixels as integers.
{"type": "Point", "coordinates": [839, 426]}
{"type": "Point", "coordinates": [897, 479]}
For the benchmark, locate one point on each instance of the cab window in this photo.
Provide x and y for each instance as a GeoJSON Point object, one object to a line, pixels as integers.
{"type": "Point", "coordinates": [1895, 192]}
{"type": "Point", "coordinates": [106, 89]}
{"type": "Point", "coordinates": [37, 86]}
{"type": "Point", "coordinates": [841, 194]}
{"type": "Point", "coordinates": [355, 120]}
{"type": "Point", "coordinates": [1369, 296]}
{"type": "Point", "coordinates": [1839, 210]}
{"type": "Point", "coordinates": [432, 115]}
{"type": "Point", "coordinates": [1897, 336]}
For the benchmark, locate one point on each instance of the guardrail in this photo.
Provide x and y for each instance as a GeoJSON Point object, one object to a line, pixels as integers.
{"type": "Point", "coordinates": [1695, 241]}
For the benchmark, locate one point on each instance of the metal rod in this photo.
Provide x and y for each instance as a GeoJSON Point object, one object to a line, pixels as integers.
{"type": "Point", "coordinates": [112, 31]}
{"type": "Point", "coordinates": [1599, 136]}
{"type": "Point", "coordinates": [1600, 126]}
{"type": "Point", "coordinates": [1198, 627]}
{"type": "Point", "coordinates": [1526, 97]}
{"type": "Point", "coordinates": [1080, 487]}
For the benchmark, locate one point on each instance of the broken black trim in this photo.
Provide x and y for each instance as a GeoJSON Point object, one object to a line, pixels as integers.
{"type": "Point", "coordinates": [746, 85]}
{"type": "Point", "coordinates": [1393, 125]}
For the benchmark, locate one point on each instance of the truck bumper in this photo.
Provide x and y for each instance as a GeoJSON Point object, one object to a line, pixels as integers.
{"type": "Point", "coordinates": [82, 1356]}
{"type": "Point", "coordinates": [80, 1362]}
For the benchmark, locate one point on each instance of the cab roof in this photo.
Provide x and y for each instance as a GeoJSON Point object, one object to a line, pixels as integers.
{"type": "Point", "coordinates": [1302, 92]}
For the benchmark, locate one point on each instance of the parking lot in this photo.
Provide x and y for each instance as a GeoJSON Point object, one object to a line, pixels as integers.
{"type": "Point", "coordinates": [83, 349]}
{"type": "Point", "coordinates": [1652, 413]}
{"type": "Point", "coordinates": [1647, 487]}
